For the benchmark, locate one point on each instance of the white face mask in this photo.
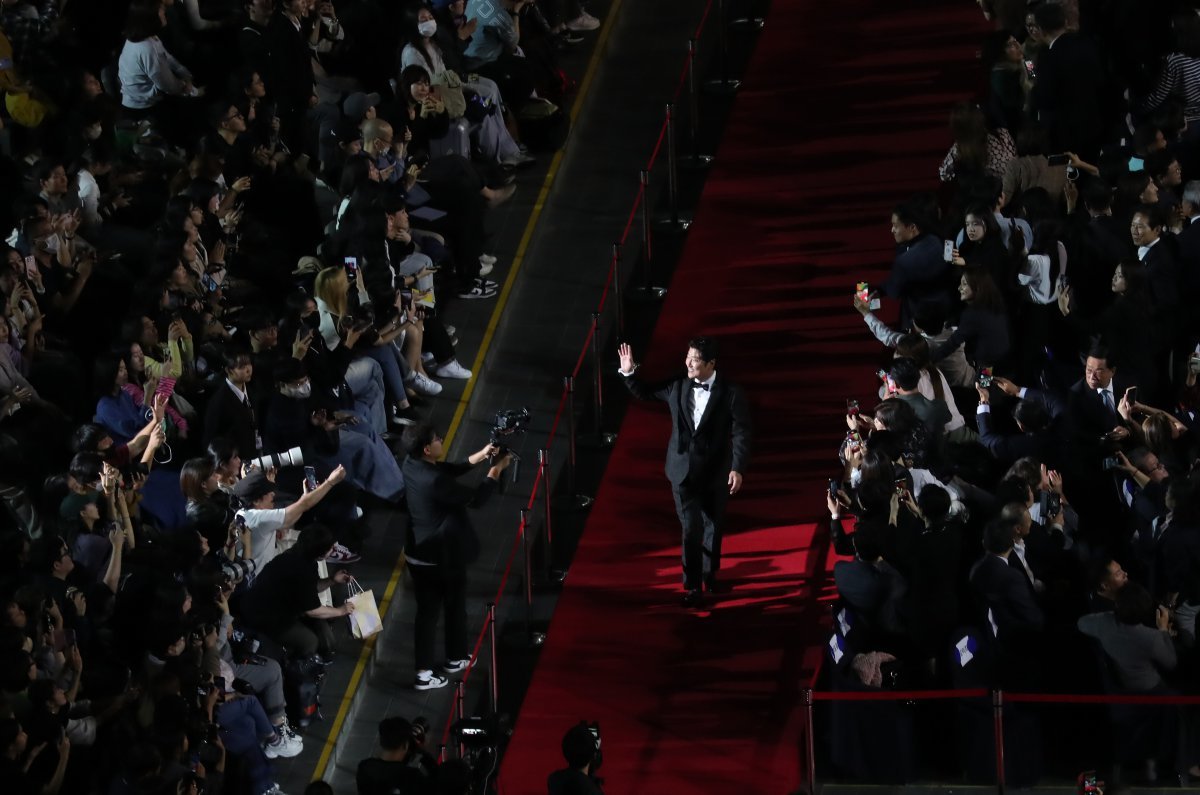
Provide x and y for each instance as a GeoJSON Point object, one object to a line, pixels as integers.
{"type": "Point", "coordinates": [301, 392]}
{"type": "Point", "coordinates": [92, 133]}
{"type": "Point", "coordinates": [427, 28]}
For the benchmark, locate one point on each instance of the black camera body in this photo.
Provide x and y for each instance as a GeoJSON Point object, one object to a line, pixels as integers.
{"type": "Point", "coordinates": [509, 423]}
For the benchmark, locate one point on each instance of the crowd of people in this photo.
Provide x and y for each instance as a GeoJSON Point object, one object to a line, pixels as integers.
{"type": "Point", "coordinates": [1025, 494]}
{"type": "Point", "coordinates": [235, 236]}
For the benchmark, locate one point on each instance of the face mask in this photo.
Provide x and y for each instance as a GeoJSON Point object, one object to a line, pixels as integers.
{"type": "Point", "coordinates": [312, 321]}
{"type": "Point", "coordinates": [427, 28]}
{"type": "Point", "coordinates": [299, 392]}
{"type": "Point", "coordinates": [92, 133]}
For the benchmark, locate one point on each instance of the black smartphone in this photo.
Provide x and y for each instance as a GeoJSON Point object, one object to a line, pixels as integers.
{"type": "Point", "coordinates": [1058, 160]}
{"type": "Point", "coordinates": [406, 299]}
{"type": "Point", "coordinates": [1131, 395]}
{"type": "Point", "coordinates": [901, 485]}
{"type": "Point", "coordinates": [833, 489]}
{"type": "Point", "coordinates": [852, 408]}
{"type": "Point", "coordinates": [310, 478]}
{"type": "Point", "coordinates": [351, 264]}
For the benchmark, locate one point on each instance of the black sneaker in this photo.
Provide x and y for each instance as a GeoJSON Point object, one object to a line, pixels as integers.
{"type": "Point", "coordinates": [476, 292]}
{"type": "Point", "coordinates": [486, 284]}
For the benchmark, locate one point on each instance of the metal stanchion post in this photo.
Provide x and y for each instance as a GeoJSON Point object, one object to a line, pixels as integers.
{"type": "Point", "coordinates": [572, 499]}
{"type": "Point", "coordinates": [553, 575]}
{"type": "Point", "coordinates": [618, 290]}
{"type": "Point", "coordinates": [723, 85]}
{"type": "Point", "coordinates": [601, 438]}
{"type": "Point", "coordinates": [693, 160]}
{"type": "Point", "coordinates": [494, 678]}
{"type": "Point", "coordinates": [809, 776]}
{"type": "Point", "coordinates": [674, 222]}
{"type": "Point", "coordinates": [460, 702]}
{"type": "Point", "coordinates": [647, 291]}
{"type": "Point", "coordinates": [535, 638]}
{"type": "Point", "coordinates": [998, 727]}
{"type": "Point", "coordinates": [441, 756]}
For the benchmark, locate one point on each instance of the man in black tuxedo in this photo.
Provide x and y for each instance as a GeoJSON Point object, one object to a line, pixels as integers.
{"type": "Point", "coordinates": [1189, 239]}
{"type": "Point", "coordinates": [1070, 85]}
{"type": "Point", "coordinates": [441, 543]}
{"type": "Point", "coordinates": [707, 454]}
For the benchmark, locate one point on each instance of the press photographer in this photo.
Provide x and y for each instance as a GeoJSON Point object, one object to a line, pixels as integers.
{"type": "Point", "coordinates": [581, 749]}
{"type": "Point", "coordinates": [441, 543]}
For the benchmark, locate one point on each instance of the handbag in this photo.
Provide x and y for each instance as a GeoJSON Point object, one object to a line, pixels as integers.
{"type": "Point", "coordinates": [365, 620]}
{"type": "Point", "coordinates": [451, 92]}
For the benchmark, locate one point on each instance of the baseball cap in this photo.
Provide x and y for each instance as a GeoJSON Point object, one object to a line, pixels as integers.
{"type": "Point", "coordinates": [253, 487]}
{"type": "Point", "coordinates": [357, 103]}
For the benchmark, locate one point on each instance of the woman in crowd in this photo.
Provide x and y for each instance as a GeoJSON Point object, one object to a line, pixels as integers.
{"type": "Point", "coordinates": [983, 246]}
{"type": "Point", "coordinates": [983, 326]}
{"type": "Point", "coordinates": [154, 84]}
{"type": "Point", "coordinates": [977, 150]}
{"type": "Point", "coordinates": [1008, 78]}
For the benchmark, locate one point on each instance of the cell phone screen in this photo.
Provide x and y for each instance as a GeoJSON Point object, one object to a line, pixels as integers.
{"type": "Point", "coordinates": [310, 478]}
{"type": "Point", "coordinates": [1058, 160]}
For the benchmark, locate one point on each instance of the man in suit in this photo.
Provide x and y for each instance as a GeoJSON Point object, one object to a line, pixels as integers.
{"type": "Point", "coordinates": [1003, 591]}
{"type": "Point", "coordinates": [1070, 86]}
{"type": "Point", "coordinates": [706, 457]}
{"type": "Point", "coordinates": [869, 584]}
{"type": "Point", "coordinates": [1189, 239]}
{"type": "Point", "coordinates": [441, 543]}
{"type": "Point", "coordinates": [1092, 402]}
{"type": "Point", "coordinates": [1156, 255]}
{"type": "Point", "coordinates": [230, 413]}
{"type": "Point", "coordinates": [1034, 415]}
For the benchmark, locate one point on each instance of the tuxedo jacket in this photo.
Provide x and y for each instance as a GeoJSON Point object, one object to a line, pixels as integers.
{"type": "Point", "coordinates": [721, 441]}
{"type": "Point", "coordinates": [1067, 96]}
{"type": "Point", "coordinates": [1162, 272]}
{"type": "Point", "coordinates": [229, 417]}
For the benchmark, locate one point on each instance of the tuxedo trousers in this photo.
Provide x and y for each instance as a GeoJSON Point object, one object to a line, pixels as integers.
{"type": "Point", "coordinates": [701, 510]}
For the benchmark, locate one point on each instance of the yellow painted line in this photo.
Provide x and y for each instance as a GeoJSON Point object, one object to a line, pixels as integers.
{"type": "Point", "coordinates": [364, 656]}
{"type": "Point", "coordinates": [584, 86]}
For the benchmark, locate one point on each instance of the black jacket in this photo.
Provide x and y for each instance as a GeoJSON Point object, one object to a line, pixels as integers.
{"type": "Point", "coordinates": [721, 441]}
{"type": "Point", "coordinates": [439, 528]}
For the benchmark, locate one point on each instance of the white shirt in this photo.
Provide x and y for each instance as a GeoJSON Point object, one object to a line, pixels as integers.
{"type": "Point", "coordinates": [1143, 250]}
{"type": "Point", "coordinates": [1019, 549]}
{"type": "Point", "coordinates": [263, 527]}
{"type": "Point", "coordinates": [700, 398]}
{"type": "Point", "coordinates": [237, 390]}
{"type": "Point", "coordinates": [1111, 398]}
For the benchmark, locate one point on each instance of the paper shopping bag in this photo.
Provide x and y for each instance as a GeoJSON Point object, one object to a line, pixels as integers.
{"type": "Point", "coordinates": [365, 620]}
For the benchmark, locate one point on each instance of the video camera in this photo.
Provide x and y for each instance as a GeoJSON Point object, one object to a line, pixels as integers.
{"type": "Point", "coordinates": [509, 423]}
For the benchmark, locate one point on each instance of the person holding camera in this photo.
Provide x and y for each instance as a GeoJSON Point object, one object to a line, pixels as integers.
{"type": "Point", "coordinates": [402, 766]}
{"type": "Point", "coordinates": [708, 452]}
{"type": "Point", "coordinates": [256, 492]}
{"type": "Point", "coordinates": [441, 543]}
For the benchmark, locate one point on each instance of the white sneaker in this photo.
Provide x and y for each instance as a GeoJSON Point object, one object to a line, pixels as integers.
{"type": "Point", "coordinates": [487, 259]}
{"type": "Point", "coordinates": [454, 666]}
{"type": "Point", "coordinates": [584, 21]}
{"type": "Point", "coordinates": [428, 680]}
{"type": "Point", "coordinates": [425, 385]}
{"type": "Point", "coordinates": [485, 267]}
{"type": "Point", "coordinates": [285, 746]}
{"type": "Point", "coordinates": [452, 369]}
{"type": "Point", "coordinates": [274, 790]}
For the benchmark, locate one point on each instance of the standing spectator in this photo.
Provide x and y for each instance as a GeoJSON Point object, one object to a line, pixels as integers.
{"type": "Point", "coordinates": [441, 543]}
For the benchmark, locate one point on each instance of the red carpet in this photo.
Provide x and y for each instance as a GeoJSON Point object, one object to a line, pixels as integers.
{"type": "Point", "coordinates": [843, 112]}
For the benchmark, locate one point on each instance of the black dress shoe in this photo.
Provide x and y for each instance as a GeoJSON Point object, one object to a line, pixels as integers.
{"type": "Point", "coordinates": [713, 585]}
{"type": "Point", "coordinates": [692, 598]}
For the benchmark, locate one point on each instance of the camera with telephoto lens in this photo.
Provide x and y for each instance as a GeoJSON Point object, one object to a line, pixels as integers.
{"type": "Point", "coordinates": [237, 570]}
{"type": "Point", "coordinates": [288, 458]}
{"type": "Point", "coordinates": [509, 423]}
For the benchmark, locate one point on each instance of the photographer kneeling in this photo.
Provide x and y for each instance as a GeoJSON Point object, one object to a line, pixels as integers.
{"type": "Point", "coordinates": [441, 543]}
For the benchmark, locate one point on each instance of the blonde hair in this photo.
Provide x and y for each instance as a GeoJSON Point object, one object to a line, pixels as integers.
{"type": "Point", "coordinates": [332, 293]}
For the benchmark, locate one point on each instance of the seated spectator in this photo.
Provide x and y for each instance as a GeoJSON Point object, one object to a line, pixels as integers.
{"type": "Point", "coordinates": [256, 494]}
{"type": "Point", "coordinates": [284, 603]}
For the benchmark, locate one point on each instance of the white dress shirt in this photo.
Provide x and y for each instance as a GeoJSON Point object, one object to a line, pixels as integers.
{"type": "Point", "coordinates": [700, 398]}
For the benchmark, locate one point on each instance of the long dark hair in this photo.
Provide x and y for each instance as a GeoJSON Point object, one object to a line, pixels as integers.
{"type": "Point", "coordinates": [984, 292]}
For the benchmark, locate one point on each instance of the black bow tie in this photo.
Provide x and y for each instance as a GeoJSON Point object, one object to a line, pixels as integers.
{"type": "Point", "coordinates": [698, 385]}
